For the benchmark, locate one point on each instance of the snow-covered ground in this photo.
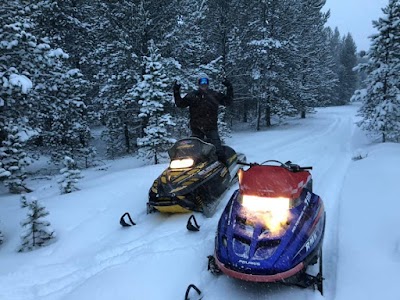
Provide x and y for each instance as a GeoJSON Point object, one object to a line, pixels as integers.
{"type": "Point", "coordinates": [95, 258]}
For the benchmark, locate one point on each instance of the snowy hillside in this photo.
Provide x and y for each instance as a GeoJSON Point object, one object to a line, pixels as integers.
{"type": "Point", "coordinates": [95, 258]}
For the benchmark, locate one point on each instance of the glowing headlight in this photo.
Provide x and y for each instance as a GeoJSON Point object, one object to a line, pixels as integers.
{"type": "Point", "coordinates": [272, 211]}
{"type": "Point", "coordinates": [264, 204]}
{"type": "Point", "coordinates": [181, 163]}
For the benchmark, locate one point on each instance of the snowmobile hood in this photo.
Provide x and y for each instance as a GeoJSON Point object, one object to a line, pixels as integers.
{"type": "Point", "coordinates": [276, 182]}
{"type": "Point", "coordinates": [250, 247]}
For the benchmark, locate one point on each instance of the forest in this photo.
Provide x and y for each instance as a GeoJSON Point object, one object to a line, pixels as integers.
{"type": "Point", "coordinates": [70, 67]}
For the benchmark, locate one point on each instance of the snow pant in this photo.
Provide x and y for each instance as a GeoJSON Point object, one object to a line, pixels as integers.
{"type": "Point", "coordinates": [212, 137]}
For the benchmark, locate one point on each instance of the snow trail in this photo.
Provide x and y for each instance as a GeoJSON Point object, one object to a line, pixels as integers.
{"type": "Point", "coordinates": [93, 250]}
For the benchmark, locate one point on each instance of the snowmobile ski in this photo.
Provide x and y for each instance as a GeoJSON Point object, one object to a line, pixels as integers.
{"type": "Point", "coordinates": [192, 226]}
{"type": "Point", "coordinates": [126, 223]}
{"type": "Point", "coordinates": [189, 288]}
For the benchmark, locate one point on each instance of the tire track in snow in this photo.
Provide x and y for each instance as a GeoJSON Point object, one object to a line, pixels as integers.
{"type": "Point", "coordinates": [145, 237]}
{"type": "Point", "coordinates": [72, 275]}
{"type": "Point", "coordinates": [329, 174]}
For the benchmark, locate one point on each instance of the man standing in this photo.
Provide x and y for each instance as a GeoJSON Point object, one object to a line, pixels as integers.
{"type": "Point", "coordinates": [203, 111]}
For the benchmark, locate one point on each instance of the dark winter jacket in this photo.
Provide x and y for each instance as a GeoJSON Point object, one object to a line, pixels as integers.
{"type": "Point", "coordinates": [203, 106]}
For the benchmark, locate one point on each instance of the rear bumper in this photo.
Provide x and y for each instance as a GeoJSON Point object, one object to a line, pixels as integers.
{"type": "Point", "coordinates": [259, 278]}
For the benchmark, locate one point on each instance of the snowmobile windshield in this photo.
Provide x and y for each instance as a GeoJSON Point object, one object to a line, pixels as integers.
{"type": "Point", "coordinates": [191, 147]}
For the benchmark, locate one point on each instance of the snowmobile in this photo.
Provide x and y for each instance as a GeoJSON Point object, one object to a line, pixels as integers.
{"type": "Point", "coordinates": [272, 228]}
{"type": "Point", "coordinates": [194, 180]}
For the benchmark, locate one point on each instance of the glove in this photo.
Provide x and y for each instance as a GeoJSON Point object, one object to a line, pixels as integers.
{"type": "Point", "coordinates": [177, 87]}
{"type": "Point", "coordinates": [226, 82]}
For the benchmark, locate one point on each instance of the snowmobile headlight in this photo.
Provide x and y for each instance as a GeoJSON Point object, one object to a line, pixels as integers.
{"type": "Point", "coordinates": [272, 211]}
{"type": "Point", "coordinates": [181, 163]}
{"type": "Point", "coordinates": [265, 204]}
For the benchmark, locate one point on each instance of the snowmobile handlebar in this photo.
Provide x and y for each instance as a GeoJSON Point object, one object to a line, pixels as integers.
{"type": "Point", "coordinates": [288, 165]}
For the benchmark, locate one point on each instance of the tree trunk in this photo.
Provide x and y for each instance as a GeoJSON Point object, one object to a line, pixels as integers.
{"type": "Point", "coordinates": [268, 116]}
{"type": "Point", "coordinates": [303, 114]}
{"type": "Point", "coordinates": [127, 141]}
{"type": "Point", "coordinates": [245, 109]}
{"type": "Point", "coordinates": [258, 115]}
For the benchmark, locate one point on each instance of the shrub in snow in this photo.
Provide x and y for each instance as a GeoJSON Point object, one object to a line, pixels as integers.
{"type": "Point", "coordinates": [37, 231]}
{"type": "Point", "coordinates": [70, 175]}
{"type": "Point", "coordinates": [359, 154]}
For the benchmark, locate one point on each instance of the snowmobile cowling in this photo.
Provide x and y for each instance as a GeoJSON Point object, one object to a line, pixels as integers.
{"type": "Point", "coordinates": [272, 228]}
{"type": "Point", "coordinates": [194, 180]}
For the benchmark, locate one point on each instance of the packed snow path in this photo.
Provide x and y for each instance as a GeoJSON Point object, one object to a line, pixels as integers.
{"type": "Point", "coordinates": [94, 258]}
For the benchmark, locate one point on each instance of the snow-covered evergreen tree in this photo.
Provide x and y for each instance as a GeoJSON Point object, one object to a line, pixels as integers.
{"type": "Point", "coordinates": [313, 62]}
{"type": "Point", "coordinates": [335, 45]}
{"type": "Point", "coordinates": [37, 90]}
{"type": "Point", "coordinates": [188, 39]}
{"type": "Point", "coordinates": [20, 52]}
{"type": "Point", "coordinates": [380, 110]}
{"type": "Point", "coordinates": [70, 176]}
{"type": "Point", "coordinates": [152, 96]}
{"type": "Point", "coordinates": [14, 160]}
{"type": "Point", "coordinates": [36, 230]}
{"type": "Point", "coordinates": [269, 46]}
{"type": "Point", "coordinates": [348, 78]}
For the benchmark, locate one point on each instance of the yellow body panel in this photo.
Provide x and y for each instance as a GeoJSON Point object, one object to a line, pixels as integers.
{"type": "Point", "coordinates": [172, 209]}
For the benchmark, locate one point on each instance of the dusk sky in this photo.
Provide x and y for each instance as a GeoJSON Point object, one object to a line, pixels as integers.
{"type": "Point", "coordinates": [355, 16]}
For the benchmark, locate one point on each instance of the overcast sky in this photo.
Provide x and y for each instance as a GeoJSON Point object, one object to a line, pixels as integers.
{"type": "Point", "coordinates": [355, 16]}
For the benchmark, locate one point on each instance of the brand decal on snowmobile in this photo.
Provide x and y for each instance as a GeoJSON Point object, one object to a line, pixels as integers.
{"type": "Point", "coordinates": [249, 262]}
{"type": "Point", "coordinates": [307, 203]}
{"type": "Point", "coordinates": [208, 169]}
{"type": "Point", "coordinates": [308, 198]}
{"type": "Point", "coordinates": [311, 241]}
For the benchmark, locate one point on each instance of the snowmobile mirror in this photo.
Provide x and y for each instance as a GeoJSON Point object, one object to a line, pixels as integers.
{"type": "Point", "coordinates": [192, 286]}
{"type": "Point", "coordinates": [192, 227]}
{"type": "Point", "coordinates": [124, 223]}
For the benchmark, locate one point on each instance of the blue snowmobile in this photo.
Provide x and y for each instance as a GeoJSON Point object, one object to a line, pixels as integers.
{"type": "Point", "coordinates": [272, 228]}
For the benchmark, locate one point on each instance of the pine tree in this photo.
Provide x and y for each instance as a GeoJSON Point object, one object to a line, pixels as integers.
{"type": "Point", "coordinates": [38, 91]}
{"type": "Point", "coordinates": [20, 52]}
{"type": "Point", "coordinates": [14, 160]}
{"type": "Point", "coordinates": [313, 73]}
{"type": "Point", "coordinates": [348, 78]}
{"type": "Point", "coordinates": [152, 97]}
{"type": "Point", "coordinates": [335, 46]}
{"type": "Point", "coordinates": [37, 231]}
{"type": "Point", "coordinates": [70, 176]}
{"type": "Point", "coordinates": [380, 110]}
